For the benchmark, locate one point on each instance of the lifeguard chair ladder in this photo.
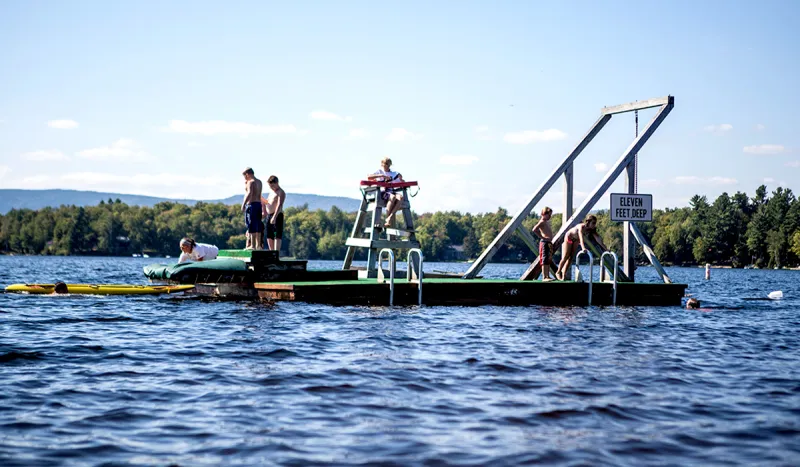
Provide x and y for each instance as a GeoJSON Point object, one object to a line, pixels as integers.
{"type": "Point", "coordinates": [369, 227]}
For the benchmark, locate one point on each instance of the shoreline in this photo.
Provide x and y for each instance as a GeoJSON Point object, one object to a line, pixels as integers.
{"type": "Point", "coordinates": [713, 266]}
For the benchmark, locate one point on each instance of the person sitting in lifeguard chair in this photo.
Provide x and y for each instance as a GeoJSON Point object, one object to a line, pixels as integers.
{"type": "Point", "coordinates": [393, 197]}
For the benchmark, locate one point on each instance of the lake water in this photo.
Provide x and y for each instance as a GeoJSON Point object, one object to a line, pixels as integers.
{"type": "Point", "coordinates": [90, 380]}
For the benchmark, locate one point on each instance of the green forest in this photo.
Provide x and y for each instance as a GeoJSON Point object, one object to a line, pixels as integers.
{"type": "Point", "coordinates": [738, 230]}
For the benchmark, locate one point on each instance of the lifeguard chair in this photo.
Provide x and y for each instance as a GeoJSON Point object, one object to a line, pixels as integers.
{"type": "Point", "coordinates": [375, 236]}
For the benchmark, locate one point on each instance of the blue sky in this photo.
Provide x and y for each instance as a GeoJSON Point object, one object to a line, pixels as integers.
{"type": "Point", "coordinates": [478, 101]}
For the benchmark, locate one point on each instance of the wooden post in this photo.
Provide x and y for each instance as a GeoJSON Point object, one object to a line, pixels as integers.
{"type": "Point", "coordinates": [372, 253]}
{"type": "Point", "coordinates": [628, 245]}
{"type": "Point", "coordinates": [569, 185]}
{"type": "Point", "coordinates": [358, 225]}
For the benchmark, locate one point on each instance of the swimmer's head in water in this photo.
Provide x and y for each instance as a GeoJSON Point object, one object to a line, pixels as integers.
{"type": "Point", "coordinates": [693, 303]}
{"type": "Point", "coordinates": [60, 288]}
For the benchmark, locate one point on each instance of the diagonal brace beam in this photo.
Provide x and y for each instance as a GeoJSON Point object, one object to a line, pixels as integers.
{"type": "Point", "coordinates": [527, 238]}
{"type": "Point", "coordinates": [515, 222]}
{"type": "Point", "coordinates": [649, 253]}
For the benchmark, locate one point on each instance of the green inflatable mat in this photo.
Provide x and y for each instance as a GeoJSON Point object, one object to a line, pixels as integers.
{"type": "Point", "coordinates": [215, 270]}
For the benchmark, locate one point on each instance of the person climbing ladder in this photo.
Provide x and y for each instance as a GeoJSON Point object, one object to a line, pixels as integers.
{"type": "Point", "coordinates": [578, 236]}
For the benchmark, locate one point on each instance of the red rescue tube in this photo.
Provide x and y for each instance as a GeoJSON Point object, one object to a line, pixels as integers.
{"type": "Point", "coordinates": [387, 184]}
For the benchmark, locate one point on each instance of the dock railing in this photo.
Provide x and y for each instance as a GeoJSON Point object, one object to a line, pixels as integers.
{"type": "Point", "coordinates": [381, 278]}
{"type": "Point", "coordinates": [614, 276]}
{"type": "Point", "coordinates": [411, 271]}
{"type": "Point", "coordinates": [591, 269]}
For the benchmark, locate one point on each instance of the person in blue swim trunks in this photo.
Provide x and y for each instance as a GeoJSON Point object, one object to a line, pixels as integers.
{"type": "Point", "coordinates": [251, 206]}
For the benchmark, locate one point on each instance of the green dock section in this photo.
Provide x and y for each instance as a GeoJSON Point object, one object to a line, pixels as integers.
{"type": "Point", "coordinates": [235, 253]}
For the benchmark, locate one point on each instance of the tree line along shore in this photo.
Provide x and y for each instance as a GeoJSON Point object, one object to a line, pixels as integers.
{"type": "Point", "coordinates": [737, 231]}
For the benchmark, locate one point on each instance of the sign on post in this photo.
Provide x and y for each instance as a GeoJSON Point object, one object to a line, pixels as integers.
{"type": "Point", "coordinates": [631, 207]}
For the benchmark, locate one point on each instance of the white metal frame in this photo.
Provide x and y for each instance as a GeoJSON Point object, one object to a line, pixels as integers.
{"type": "Point", "coordinates": [626, 163]}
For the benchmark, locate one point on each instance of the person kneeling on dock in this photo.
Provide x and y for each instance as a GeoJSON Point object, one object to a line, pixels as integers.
{"type": "Point", "coordinates": [577, 236]}
{"type": "Point", "coordinates": [193, 251]}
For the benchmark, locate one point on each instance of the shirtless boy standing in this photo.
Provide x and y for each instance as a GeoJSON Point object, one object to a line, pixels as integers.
{"type": "Point", "coordinates": [251, 205]}
{"type": "Point", "coordinates": [545, 233]}
{"type": "Point", "coordinates": [273, 214]}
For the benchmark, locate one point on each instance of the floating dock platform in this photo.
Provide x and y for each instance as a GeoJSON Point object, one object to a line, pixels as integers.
{"type": "Point", "coordinates": [262, 275]}
{"type": "Point", "coordinates": [452, 292]}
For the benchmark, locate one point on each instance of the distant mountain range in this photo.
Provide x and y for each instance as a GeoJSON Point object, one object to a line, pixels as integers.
{"type": "Point", "coordinates": [37, 199]}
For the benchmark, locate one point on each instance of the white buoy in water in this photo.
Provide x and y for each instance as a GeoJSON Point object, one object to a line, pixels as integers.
{"type": "Point", "coordinates": [776, 295]}
{"type": "Point", "coordinates": [708, 271]}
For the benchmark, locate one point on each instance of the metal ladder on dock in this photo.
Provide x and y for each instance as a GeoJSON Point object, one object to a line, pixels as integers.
{"type": "Point", "coordinates": [602, 272]}
{"type": "Point", "coordinates": [413, 275]}
{"type": "Point", "coordinates": [591, 270]}
{"type": "Point", "coordinates": [614, 276]}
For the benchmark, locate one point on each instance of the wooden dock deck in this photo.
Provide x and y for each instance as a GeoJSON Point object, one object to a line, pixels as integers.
{"type": "Point", "coordinates": [474, 292]}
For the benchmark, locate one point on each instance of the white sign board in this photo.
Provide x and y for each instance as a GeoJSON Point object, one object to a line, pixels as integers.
{"type": "Point", "coordinates": [631, 207]}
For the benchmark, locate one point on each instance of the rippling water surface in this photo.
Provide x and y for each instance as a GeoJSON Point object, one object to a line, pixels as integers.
{"type": "Point", "coordinates": [169, 380]}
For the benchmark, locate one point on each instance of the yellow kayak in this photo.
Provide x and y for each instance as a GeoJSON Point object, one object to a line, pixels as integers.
{"type": "Point", "coordinates": [100, 289]}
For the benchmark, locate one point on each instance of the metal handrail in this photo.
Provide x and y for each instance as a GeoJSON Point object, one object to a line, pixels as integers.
{"type": "Point", "coordinates": [391, 272]}
{"type": "Point", "coordinates": [614, 276]}
{"type": "Point", "coordinates": [591, 269]}
{"type": "Point", "coordinates": [409, 272]}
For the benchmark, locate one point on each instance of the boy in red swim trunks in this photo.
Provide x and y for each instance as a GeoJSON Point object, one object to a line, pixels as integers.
{"type": "Point", "coordinates": [545, 233]}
